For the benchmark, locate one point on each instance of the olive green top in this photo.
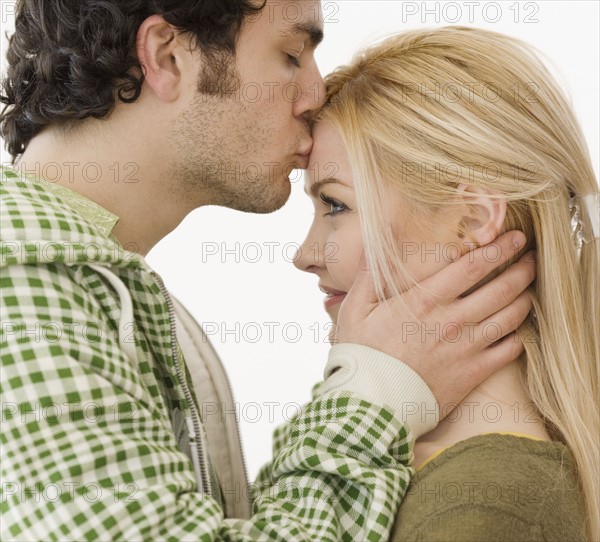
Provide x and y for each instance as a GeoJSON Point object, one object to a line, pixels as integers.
{"type": "Point", "coordinates": [494, 487]}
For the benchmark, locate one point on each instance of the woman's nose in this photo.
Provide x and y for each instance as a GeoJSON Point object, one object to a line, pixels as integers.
{"type": "Point", "coordinates": [308, 257]}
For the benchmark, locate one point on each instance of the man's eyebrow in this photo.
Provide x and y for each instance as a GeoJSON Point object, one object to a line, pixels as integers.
{"type": "Point", "coordinates": [314, 33]}
{"type": "Point", "coordinates": [316, 186]}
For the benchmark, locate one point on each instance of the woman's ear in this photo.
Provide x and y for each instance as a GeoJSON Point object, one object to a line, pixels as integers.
{"type": "Point", "coordinates": [158, 53]}
{"type": "Point", "coordinates": [484, 214]}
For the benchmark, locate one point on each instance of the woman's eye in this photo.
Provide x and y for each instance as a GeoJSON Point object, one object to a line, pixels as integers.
{"type": "Point", "coordinates": [293, 60]}
{"type": "Point", "coordinates": [335, 206]}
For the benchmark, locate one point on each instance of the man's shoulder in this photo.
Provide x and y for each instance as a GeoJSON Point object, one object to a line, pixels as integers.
{"type": "Point", "coordinates": [39, 225]}
{"type": "Point", "coordinates": [31, 211]}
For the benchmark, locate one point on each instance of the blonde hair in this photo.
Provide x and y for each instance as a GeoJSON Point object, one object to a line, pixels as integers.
{"type": "Point", "coordinates": [426, 110]}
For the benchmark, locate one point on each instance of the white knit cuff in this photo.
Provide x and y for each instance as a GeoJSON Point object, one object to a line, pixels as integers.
{"type": "Point", "coordinates": [382, 380]}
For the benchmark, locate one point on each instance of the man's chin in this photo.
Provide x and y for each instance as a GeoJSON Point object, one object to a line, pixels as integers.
{"type": "Point", "coordinates": [269, 201]}
{"type": "Point", "coordinates": [270, 205]}
{"type": "Point", "coordinates": [276, 200]}
{"type": "Point", "coordinates": [280, 197]}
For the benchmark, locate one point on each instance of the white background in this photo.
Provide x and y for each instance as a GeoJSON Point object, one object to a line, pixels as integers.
{"type": "Point", "coordinates": [233, 270]}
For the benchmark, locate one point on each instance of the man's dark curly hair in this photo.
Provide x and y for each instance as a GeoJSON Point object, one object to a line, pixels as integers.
{"type": "Point", "coordinates": [71, 59]}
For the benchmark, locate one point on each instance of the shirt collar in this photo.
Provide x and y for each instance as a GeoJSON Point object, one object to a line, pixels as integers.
{"type": "Point", "coordinates": [103, 219]}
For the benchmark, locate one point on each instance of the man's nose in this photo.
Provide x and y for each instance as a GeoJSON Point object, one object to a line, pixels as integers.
{"type": "Point", "coordinates": [313, 93]}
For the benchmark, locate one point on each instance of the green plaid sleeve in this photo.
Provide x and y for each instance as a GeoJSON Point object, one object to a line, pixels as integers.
{"type": "Point", "coordinates": [88, 451]}
{"type": "Point", "coordinates": [380, 470]}
{"type": "Point", "coordinates": [281, 436]}
{"type": "Point", "coordinates": [341, 474]}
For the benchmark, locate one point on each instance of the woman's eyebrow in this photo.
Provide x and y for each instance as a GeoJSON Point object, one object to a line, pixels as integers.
{"type": "Point", "coordinates": [316, 186]}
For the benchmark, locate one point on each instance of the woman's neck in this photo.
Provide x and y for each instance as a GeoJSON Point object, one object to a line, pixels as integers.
{"type": "Point", "coordinates": [498, 405]}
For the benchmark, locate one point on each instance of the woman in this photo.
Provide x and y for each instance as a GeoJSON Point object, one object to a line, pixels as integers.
{"type": "Point", "coordinates": [430, 144]}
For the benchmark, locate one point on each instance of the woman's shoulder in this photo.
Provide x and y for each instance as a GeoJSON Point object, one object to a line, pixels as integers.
{"type": "Point", "coordinates": [490, 452]}
{"type": "Point", "coordinates": [494, 487]}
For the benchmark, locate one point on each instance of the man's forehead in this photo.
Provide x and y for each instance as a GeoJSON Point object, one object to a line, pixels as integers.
{"type": "Point", "coordinates": [310, 30]}
{"type": "Point", "coordinates": [293, 17]}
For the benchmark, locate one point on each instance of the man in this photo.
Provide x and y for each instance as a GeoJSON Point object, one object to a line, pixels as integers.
{"type": "Point", "coordinates": [93, 89]}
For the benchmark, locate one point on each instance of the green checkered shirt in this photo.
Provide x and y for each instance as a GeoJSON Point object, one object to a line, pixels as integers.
{"type": "Point", "coordinates": [91, 403]}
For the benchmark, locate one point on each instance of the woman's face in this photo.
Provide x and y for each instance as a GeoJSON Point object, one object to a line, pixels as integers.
{"type": "Point", "coordinates": [333, 247]}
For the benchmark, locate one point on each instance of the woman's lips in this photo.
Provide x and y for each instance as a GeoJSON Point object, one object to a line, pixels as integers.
{"type": "Point", "coordinates": [332, 300]}
{"type": "Point", "coordinates": [333, 297]}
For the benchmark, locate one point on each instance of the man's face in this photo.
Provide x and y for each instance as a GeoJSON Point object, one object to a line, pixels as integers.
{"type": "Point", "coordinates": [241, 149]}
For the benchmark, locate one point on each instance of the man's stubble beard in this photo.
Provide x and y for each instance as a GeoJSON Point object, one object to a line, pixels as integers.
{"type": "Point", "coordinates": [223, 165]}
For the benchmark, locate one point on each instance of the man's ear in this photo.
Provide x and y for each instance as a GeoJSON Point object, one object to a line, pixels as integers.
{"type": "Point", "coordinates": [159, 52]}
{"type": "Point", "coordinates": [484, 214]}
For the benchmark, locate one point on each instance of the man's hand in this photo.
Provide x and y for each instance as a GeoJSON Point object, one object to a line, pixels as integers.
{"type": "Point", "coordinates": [454, 343]}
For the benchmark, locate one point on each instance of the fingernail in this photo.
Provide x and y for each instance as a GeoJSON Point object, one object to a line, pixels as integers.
{"type": "Point", "coordinates": [518, 239]}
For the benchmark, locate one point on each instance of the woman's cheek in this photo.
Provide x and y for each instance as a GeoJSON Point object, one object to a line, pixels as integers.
{"type": "Point", "coordinates": [344, 256]}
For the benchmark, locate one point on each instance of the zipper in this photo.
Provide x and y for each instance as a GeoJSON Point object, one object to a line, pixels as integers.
{"type": "Point", "coordinates": [239, 437]}
{"type": "Point", "coordinates": [223, 372]}
{"type": "Point", "coordinates": [193, 422]}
